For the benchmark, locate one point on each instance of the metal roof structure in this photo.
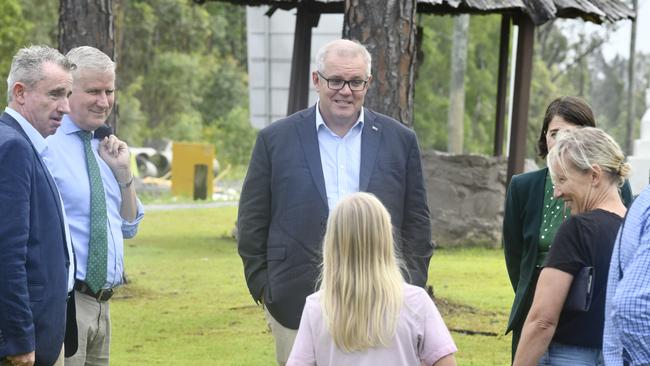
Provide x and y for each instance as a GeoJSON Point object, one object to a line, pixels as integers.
{"type": "Point", "coordinates": [540, 11]}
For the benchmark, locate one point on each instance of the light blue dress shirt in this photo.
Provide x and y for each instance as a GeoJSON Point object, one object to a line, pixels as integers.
{"type": "Point", "coordinates": [627, 307]}
{"type": "Point", "coordinates": [340, 158]}
{"type": "Point", "coordinates": [67, 162]}
{"type": "Point", "coordinates": [41, 146]}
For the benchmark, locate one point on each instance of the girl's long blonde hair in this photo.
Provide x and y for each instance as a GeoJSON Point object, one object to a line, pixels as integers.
{"type": "Point", "coordinates": [361, 282]}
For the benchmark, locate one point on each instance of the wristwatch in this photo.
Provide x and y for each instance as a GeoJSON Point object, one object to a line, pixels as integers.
{"type": "Point", "coordinates": [127, 184]}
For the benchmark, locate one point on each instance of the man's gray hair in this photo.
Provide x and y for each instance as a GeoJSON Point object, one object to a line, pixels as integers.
{"type": "Point", "coordinates": [27, 66]}
{"type": "Point", "coordinates": [90, 58]}
{"type": "Point", "coordinates": [343, 47]}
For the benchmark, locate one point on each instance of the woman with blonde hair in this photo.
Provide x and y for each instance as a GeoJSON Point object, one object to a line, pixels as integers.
{"type": "Point", "coordinates": [364, 312]}
{"type": "Point", "coordinates": [587, 168]}
{"type": "Point", "coordinates": [532, 215]}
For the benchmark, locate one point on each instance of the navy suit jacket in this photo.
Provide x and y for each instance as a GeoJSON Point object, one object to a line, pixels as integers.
{"type": "Point", "coordinates": [33, 255]}
{"type": "Point", "coordinates": [283, 206]}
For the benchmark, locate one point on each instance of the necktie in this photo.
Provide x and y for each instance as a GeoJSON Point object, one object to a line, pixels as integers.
{"type": "Point", "coordinates": [98, 244]}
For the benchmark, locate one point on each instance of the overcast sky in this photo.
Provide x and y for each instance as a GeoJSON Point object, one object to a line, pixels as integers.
{"type": "Point", "coordinates": [619, 42]}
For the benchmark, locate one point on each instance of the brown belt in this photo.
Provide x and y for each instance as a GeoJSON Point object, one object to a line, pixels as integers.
{"type": "Point", "coordinates": [102, 296]}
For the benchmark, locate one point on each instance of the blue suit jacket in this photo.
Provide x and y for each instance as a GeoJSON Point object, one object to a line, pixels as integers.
{"type": "Point", "coordinates": [283, 206]}
{"type": "Point", "coordinates": [33, 254]}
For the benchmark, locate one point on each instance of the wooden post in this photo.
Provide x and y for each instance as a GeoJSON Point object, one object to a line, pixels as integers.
{"type": "Point", "coordinates": [456, 113]}
{"type": "Point", "coordinates": [502, 84]}
{"type": "Point", "coordinates": [630, 120]}
{"type": "Point", "coordinates": [523, 75]}
{"type": "Point", "coordinates": [300, 76]}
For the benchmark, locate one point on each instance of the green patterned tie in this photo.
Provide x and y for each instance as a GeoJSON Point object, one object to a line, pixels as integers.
{"type": "Point", "coordinates": [98, 244]}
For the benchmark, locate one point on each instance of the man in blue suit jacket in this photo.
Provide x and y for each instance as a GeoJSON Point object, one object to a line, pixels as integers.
{"type": "Point", "coordinates": [302, 165]}
{"type": "Point", "coordinates": [33, 255]}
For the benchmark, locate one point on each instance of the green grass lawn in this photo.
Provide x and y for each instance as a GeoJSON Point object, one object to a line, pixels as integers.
{"type": "Point", "coordinates": [187, 302]}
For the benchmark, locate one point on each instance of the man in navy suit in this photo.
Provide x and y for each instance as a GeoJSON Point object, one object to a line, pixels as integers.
{"type": "Point", "coordinates": [302, 165]}
{"type": "Point", "coordinates": [33, 255]}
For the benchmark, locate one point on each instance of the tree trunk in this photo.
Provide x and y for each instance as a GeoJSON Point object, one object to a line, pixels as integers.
{"type": "Point", "coordinates": [629, 123]}
{"type": "Point", "coordinates": [456, 114]}
{"type": "Point", "coordinates": [388, 29]}
{"type": "Point", "coordinates": [88, 23]}
{"type": "Point", "coordinates": [521, 95]}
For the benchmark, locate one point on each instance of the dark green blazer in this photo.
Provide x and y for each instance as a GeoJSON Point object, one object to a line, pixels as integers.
{"type": "Point", "coordinates": [521, 225]}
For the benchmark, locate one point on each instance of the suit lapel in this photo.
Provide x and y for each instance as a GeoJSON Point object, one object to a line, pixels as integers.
{"type": "Point", "coordinates": [57, 201]}
{"type": "Point", "coordinates": [370, 138]}
{"type": "Point", "coordinates": [537, 205]}
{"type": "Point", "coordinates": [309, 140]}
{"type": "Point", "coordinates": [53, 188]}
{"type": "Point", "coordinates": [10, 121]}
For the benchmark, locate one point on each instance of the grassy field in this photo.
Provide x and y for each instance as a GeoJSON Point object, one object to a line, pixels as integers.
{"type": "Point", "coordinates": [187, 302]}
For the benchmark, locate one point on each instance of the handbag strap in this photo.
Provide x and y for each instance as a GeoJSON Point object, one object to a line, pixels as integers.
{"type": "Point", "coordinates": [620, 240]}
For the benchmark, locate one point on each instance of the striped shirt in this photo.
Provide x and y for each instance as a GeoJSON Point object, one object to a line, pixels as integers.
{"type": "Point", "coordinates": [627, 313]}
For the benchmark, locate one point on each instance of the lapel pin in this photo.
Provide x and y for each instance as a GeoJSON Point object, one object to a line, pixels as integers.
{"type": "Point", "coordinates": [374, 128]}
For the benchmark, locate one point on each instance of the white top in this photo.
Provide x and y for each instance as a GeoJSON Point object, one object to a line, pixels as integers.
{"type": "Point", "coordinates": [421, 337]}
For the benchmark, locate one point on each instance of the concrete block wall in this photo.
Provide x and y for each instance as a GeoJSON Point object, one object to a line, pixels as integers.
{"type": "Point", "coordinates": [466, 195]}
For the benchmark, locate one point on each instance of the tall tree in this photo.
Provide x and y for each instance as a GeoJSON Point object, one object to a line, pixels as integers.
{"type": "Point", "coordinates": [456, 115]}
{"type": "Point", "coordinates": [11, 40]}
{"type": "Point", "coordinates": [182, 75]}
{"type": "Point", "coordinates": [432, 103]}
{"type": "Point", "coordinates": [629, 123]}
{"type": "Point", "coordinates": [388, 29]}
{"type": "Point", "coordinates": [88, 23]}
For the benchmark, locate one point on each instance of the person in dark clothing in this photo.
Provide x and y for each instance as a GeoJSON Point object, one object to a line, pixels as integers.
{"type": "Point", "coordinates": [532, 215]}
{"type": "Point", "coordinates": [587, 167]}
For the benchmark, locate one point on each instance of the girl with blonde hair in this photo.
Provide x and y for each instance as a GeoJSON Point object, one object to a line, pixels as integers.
{"type": "Point", "coordinates": [364, 312]}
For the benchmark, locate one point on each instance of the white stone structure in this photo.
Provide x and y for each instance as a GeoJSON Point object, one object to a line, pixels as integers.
{"type": "Point", "coordinates": [270, 47]}
{"type": "Point", "coordinates": [640, 161]}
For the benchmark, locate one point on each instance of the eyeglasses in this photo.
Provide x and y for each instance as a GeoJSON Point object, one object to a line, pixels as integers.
{"type": "Point", "coordinates": [338, 84]}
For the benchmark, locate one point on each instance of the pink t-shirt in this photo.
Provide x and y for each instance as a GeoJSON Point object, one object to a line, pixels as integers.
{"type": "Point", "coordinates": [421, 337]}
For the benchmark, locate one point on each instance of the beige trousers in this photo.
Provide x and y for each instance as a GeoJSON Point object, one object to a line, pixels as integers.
{"type": "Point", "coordinates": [284, 338]}
{"type": "Point", "coordinates": [94, 329]}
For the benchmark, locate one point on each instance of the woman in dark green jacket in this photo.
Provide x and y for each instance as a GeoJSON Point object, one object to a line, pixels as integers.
{"type": "Point", "coordinates": [532, 215]}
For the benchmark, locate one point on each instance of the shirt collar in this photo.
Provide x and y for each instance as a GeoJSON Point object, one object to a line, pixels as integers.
{"type": "Point", "coordinates": [68, 126]}
{"type": "Point", "coordinates": [34, 136]}
{"type": "Point", "coordinates": [321, 122]}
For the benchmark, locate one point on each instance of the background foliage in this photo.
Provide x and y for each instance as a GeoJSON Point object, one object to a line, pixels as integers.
{"type": "Point", "coordinates": [181, 68]}
{"type": "Point", "coordinates": [568, 60]}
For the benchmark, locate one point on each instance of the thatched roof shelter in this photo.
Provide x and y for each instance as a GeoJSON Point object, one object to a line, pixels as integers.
{"type": "Point", "coordinates": [540, 11]}
{"type": "Point", "coordinates": [527, 14]}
